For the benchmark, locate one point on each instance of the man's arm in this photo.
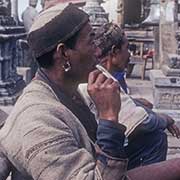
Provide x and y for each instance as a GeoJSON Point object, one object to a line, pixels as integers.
{"type": "Point", "coordinates": [157, 121]}
{"type": "Point", "coordinates": [171, 126]}
{"type": "Point", "coordinates": [54, 152]}
{"type": "Point", "coordinates": [154, 121]}
{"type": "Point", "coordinates": [144, 102]}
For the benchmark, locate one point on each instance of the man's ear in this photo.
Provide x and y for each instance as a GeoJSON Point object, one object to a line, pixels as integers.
{"type": "Point", "coordinates": [62, 50]}
{"type": "Point", "coordinates": [114, 50]}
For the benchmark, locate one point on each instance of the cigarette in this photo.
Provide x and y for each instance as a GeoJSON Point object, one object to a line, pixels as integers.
{"type": "Point", "coordinates": [105, 72]}
{"type": "Point", "coordinates": [108, 75]}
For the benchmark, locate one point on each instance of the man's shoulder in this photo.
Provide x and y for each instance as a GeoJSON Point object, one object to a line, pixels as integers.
{"type": "Point", "coordinates": [37, 107]}
{"type": "Point", "coordinates": [38, 89]}
{"type": "Point", "coordinates": [37, 99]}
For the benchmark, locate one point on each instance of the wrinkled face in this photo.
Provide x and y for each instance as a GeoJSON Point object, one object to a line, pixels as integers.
{"type": "Point", "coordinates": [83, 58]}
{"type": "Point", "coordinates": [121, 58]}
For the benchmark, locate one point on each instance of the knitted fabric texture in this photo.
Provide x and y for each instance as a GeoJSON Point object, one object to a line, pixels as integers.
{"type": "Point", "coordinates": [55, 25]}
{"type": "Point", "coordinates": [108, 35]}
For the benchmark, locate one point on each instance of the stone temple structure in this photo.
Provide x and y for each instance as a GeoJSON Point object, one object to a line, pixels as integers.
{"type": "Point", "coordinates": [166, 80]}
{"type": "Point", "coordinates": [10, 82]}
{"type": "Point", "coordinates": [97, 14]}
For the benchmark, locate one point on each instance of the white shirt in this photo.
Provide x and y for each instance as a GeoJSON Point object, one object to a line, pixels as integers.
{"type": "Point", "coordinates": [28, 16]}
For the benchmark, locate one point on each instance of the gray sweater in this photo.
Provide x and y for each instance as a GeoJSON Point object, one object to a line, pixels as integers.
{"type": "Point", "coordinates": [45, 141]}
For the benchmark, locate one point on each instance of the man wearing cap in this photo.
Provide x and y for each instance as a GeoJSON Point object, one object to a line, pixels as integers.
{"type": "Point", "coordinates": [29, 14]}
{"type": "Point", "coordinates": [146, 141]}
{"type": "Point", "coordinates": [51, 134]}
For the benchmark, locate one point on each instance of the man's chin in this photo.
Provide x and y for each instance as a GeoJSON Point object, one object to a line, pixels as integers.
{"type": "Point", "coordinates": [93, 67]}
{"type": "Point", "coordinates": [83, 80]}
{"type": "Point", "coordinates": [96, 61]}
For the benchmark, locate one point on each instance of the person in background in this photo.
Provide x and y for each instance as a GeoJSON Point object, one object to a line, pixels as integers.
{"type": "Point", "coordinates": [42, 3]}
{"type": "Point", "coordinates": [120, 76]}
{"type": "Point", "coordinates": [50, 133]}
{"type": "Point", "coordinates": [146, 141]}
{"type": "Point", "coordinates": [29, 14]}
{"type": "Point", "coordinates": [28, 17]}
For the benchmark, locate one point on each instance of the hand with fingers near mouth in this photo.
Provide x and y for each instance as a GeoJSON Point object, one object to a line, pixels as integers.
{"type": "Point", "coordinates": [105, 93]}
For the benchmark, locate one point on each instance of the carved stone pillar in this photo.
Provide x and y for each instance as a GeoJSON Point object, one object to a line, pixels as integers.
{"type": "Point", "coordinates": [14, 10]}
{"type": "Point", "coordinates": [48, 3]}
{"type": "Point", "coordinates": [152, 19]}
{"type": "Point", "coordinates": [97, 14]}
{"type": "Point", "coordinates": [154, 14]}
{"type": "Point", "coordinates": [120, 11]}
{"type": "Point", "coordinates": [166, 81]}
{"type": "Point", "coordinates": [10, 82]}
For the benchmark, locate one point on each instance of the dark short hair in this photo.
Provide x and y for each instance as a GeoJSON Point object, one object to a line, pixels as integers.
{"type": "Point", "coordinates": [46, 60]}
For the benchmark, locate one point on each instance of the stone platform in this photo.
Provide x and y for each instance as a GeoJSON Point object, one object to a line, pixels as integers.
{"type": "Point", "coordinates": [166, 93]}
{"type": "Point", "coordinates": [143, 88]}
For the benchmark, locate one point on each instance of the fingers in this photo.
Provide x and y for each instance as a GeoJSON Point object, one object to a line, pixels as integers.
{"type": "Point", "coordinates": [108, 81]}
{"type": "Point", "coordinates": [174, 130]}
{"type": "Point", "coordinates": [105, 95]}
{"type": "Point", "coordinates": [145, 103]}
{"type": "Point", "coordinates": [116, 86]}
{"type": "Point", "coordinates": [93, 76]}
{"type": "Point", "coordinates": [171, 130]}
{"type": "Point", "coordinates": [169, 119]}
{"type": "Point", "coordinates": [99, 79]}
{"type": "Point", "coordinates": [103, 82]}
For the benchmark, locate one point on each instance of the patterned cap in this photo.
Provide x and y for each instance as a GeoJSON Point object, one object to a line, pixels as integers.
{"type": "Point", "coordinates": [108, 35]}
{"type": "Point", "coordinates": [55, 25]}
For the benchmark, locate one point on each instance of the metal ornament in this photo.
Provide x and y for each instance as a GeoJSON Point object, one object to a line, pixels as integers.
{"type": "Point", "coordinates": [67, 66]}
{"type": "Point", "coordinates": [154, 14]}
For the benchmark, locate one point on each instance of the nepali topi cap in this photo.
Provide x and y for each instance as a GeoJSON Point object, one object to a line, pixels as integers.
{"type": "Point", "coordinates": [55, 25]}
{"type": "Point", "coordinates": [108, 35]}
